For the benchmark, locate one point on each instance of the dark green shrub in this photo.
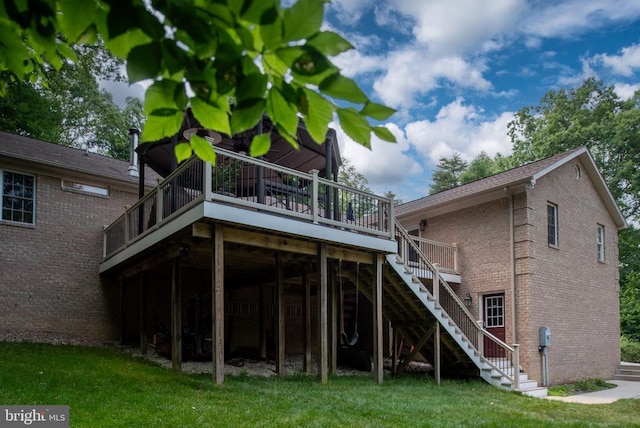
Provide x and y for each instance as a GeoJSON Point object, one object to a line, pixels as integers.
{"type": "Point", "coordinates": [629, 350]}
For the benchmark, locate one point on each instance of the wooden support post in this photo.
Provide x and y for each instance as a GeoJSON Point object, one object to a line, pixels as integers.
{"type": "Point", "coordinates": [307, 322]}
{"type": "Point", "coordinates": [176, 315]}
{"type": "Point", "coordinates": [217, 304]}
{"type": "Point", "coordinates": [378, 348]}
{"type": "Point", "coordinates": [516, 367]}
{"type": "Point", "coordinates": [144, 333]}
{"type": "Point", "coordinates": [280, 336]}
{"type": "Point", "coordinates": [123, 314]}
{"type": "Point", "coordinates": [323, 353]}
{"type": "Point", "coordinates": [333, 362]}
{"type": "Point", "coordinates": [481, 337]}
{"type": "Point", "coordinates": [437, 356]}
{"type": "Point", "coordinates": [264, 320]}
{"type": "Point", "coordinates": [436, 283]}
{"type": "Point", "coordinates": [394, 352]}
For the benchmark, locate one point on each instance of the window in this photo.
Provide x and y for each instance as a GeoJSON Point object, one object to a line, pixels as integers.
{"type": "Point", "coordinates": [552, 224]}
{"type": "Point", "coordinates": [18, 197]}
{"type": "Point", "coordinates": [600, 243]}
{"type": "Point", "coordinates": [494, 311]}
{"type": "Point", "coordinates": [76, 186]}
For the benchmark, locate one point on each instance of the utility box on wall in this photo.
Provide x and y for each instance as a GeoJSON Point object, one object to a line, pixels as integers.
{"type": "Point", "coordinates": [545, 336]}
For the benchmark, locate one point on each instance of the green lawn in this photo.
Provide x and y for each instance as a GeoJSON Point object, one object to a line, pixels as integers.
{"type": "Point", "coordinates": [106, 388]}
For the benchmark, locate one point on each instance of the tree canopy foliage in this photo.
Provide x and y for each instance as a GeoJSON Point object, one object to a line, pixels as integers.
{"type": "Point", "coordinates": [592, 115]}
{"type": "Point", "coordinates": [231, 61]}
{"type": "Point", "coordinates": [72, 109]}
{"type": "Point", "coordinates": [448, 173]}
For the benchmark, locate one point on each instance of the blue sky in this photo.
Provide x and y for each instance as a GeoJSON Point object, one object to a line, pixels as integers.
{"type": "Point", "coordinates": [457, 71]}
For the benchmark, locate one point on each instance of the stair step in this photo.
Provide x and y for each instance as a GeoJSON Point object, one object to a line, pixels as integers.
{"type": "Point", "coordinates": [538, 392]}
{"type": "Point", "coordinates": [628, 372]}
{"type": "Point", "coordinates": [528, 384]}
{"type": "Point", "coordinates": [628, 377]}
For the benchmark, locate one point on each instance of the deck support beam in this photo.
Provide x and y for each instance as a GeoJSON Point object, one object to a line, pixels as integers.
{"type": "Point", "coordinates": [394, 352]}
{"type": "Point", "coordinates": [176, 315]}
{"type": "Point", "coordinates": [323, 353]}
{"type": "Point", "coordinates": [144, 333]}
{"type": "Point", "coordinates": [264, 320]}
{"type": "Point", "coordinates": [333, 362]}
{"type": "Point", "coordinates": [217, 304]}
{"type": "Point", "coordinates": [306, 279]}
{"type": "Point", "coordinates": [280, 336]}
{"type": "Point", "coordinates": [378, 373]}
{"type": "Point", "coordinates": [437, 355]}
{"type": "Point", "coordinates": [123, 314]}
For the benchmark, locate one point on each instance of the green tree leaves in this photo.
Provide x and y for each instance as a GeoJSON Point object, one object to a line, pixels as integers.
{"type": "Point", "coordinates": [199, 53]}
{"type": "Point", "coordinates": [447, 175]}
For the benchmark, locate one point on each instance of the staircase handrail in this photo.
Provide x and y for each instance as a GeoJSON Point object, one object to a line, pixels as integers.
{"type": "Point", "coordinates": [462, 317]}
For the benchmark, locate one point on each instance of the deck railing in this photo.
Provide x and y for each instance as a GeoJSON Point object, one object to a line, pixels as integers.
{"type": "Point", "coordinates": [497, 354]}
{"type": "Point", "coordinates": [245, 182]}
{"type": "Point", "coordinates": [445, 255]}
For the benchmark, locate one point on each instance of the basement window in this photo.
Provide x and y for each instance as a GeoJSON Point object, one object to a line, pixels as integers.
{"type": "Point", "coordinates": [76, 186]}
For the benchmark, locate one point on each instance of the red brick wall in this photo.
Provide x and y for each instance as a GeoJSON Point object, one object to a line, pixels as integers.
{"type": "Point", "coordinates": [570, 291]}
{"type": "Point", "coordinates": [482, 236]}
{"type": "Point", "coordinates": [564, 288]}
{"type": "Point", "coordinates": [49, 279]}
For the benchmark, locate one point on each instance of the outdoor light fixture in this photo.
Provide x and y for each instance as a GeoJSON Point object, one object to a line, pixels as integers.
{"type": "Point", "coordinates": [468, 300]}
{"type": "Point", "coordinates": [423, 224]}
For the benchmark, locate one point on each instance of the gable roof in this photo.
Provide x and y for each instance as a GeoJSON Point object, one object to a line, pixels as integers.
{"type": "Point", "coordinates": [59, 157]}
{"type": "Point", "coordinates": [495, 186]}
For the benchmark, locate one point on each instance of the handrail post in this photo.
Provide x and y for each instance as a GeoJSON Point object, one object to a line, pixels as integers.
{"type": "Point", "coordinates": [315, 208]}
{"type": "Point", "coordinates": [208, 176]}
{"type": "Point", "coordinates": [516, 367]}
{"type": "Point", "coordinates": [455, 257]}
{"type": "Point", "coordinates": [159, 203]}
{"type": "Point", "coordinates": [436, 283]}
{"type": "Point", "coordinates": [392, 219]}
{"type": "Point", "coordinates": [480, 338]}
{"type": "Point", "coordinates": [126, 226]}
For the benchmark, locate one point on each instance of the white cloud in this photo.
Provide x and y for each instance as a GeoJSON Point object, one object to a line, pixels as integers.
{"type": "Point", "coordinates": [353, 63]}
{"type": "Point", "coordinates": [412, 72]}
{"type": "Point", "coordinates": [570, 18]}
{"type": "Point", "coordinates": [460, 128]}
{"type": "Point", "coordinates": [349, 12]}
{"type": "Point", "coordinates": [625, 90]}
{"type": "Point", "coordinates": [624, 64]}
{"type": "Point", "coordinates": [387, 165]}
{"type": "Point", "coordinates": [455, 27]}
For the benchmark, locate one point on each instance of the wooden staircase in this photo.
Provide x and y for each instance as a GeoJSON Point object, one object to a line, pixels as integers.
{"type": "Point", "coordinates": [628, 371]}
{"type": "Point", "coordinates": [421, 307]}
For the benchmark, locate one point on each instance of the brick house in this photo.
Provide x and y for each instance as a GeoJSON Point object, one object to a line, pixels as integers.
{"type": "Point", "coordinates": [52, 237]}
{"type": "Point", "coordinates": [537, 246]}
{"type": "Point", "coordinates": [246, 253]}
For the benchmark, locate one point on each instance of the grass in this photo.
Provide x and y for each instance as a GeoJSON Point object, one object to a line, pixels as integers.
{"type": "Point", "coordinates": [105, 388]}
{"type": "Point", "coordinates": [581, 387]}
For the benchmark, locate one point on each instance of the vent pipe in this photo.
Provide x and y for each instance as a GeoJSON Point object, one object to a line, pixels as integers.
{"type": "Point", "coordinates": [134, 134]}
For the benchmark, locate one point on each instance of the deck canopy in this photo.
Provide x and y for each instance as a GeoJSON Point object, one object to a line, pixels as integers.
{"type": "Point", "coordinates": [159, 155]}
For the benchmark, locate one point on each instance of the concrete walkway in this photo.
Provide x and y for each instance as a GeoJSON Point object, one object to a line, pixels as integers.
{"type": "Point", "coordinates": [625, 389]}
